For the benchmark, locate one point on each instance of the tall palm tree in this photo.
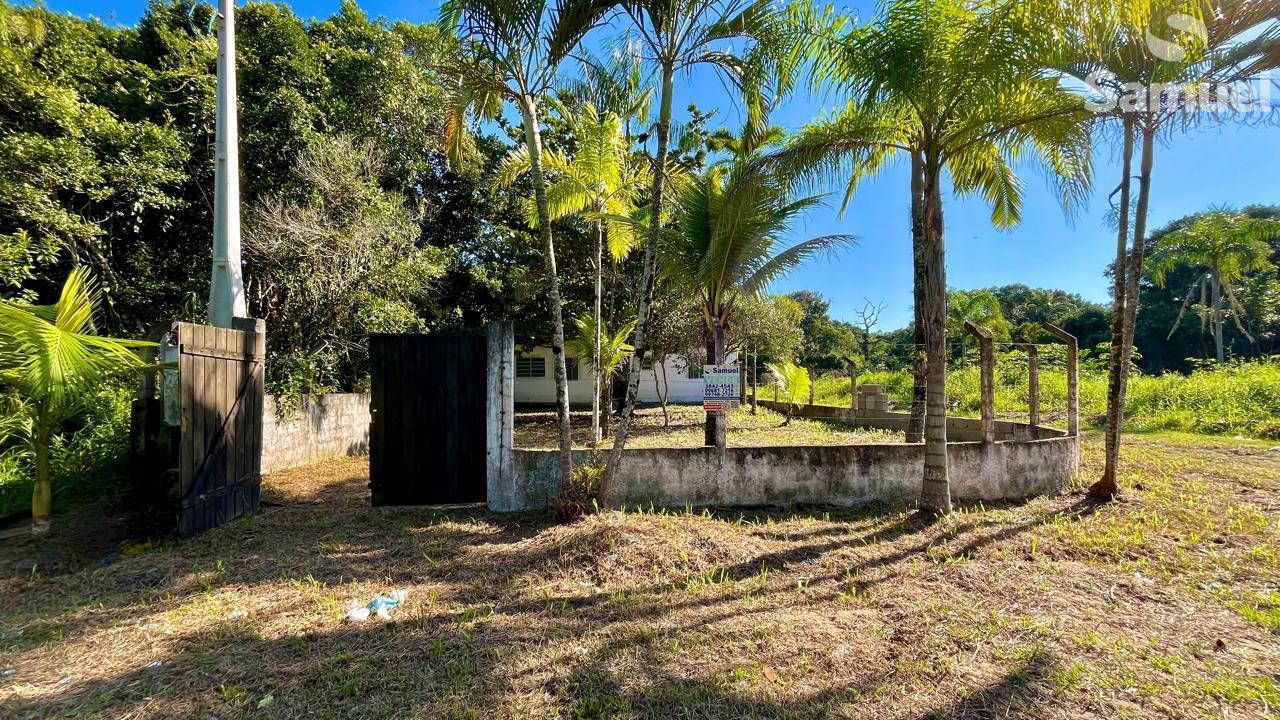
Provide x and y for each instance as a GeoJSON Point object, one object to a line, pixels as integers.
{"type": "Point", "coordinates": [728, 224]}
{"type": "Point", "coordinates": [511, 50]}
{"type": "Point", "coordinates": [1228, 245]}
{"type": "Point", "coordinates": [1113, 48]}
{"type": "Point", "coordinates": [598, 180]}
{"type": "Point", "coordinates": [955, 87]}
{"type": "Point", "coordinates": [605, 349]}
{"type": "Point", "coordinates": [50, 355]}
{"type": "Point", "coordinates": [680, 35]}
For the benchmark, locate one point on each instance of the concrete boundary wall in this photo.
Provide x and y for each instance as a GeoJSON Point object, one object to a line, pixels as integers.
{"type": "Point", "coordinates": [1024, 461]}
{"type": "Point", "coordinates": [303, 430]}
{"type": "Point", "coordinates": [796, 475]}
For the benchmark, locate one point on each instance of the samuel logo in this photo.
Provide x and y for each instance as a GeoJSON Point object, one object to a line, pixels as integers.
{"type": "Point", "coordinates": [1172, 51]}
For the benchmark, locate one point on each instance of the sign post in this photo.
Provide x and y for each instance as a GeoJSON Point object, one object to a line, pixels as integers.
{"type": "Point", "coordinates": [719, 387]}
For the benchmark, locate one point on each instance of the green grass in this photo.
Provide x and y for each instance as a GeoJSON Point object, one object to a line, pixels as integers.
{"type": "Point", "coordinates": [1235, 399]}
{"type": "Point", "coordinates": [1158, 605]}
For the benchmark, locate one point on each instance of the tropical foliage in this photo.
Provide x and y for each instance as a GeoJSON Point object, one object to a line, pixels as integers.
{"type": "Point", "coordinates": [50, 356]}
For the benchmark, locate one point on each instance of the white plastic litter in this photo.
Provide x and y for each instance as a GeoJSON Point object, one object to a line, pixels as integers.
{"type": "Point", "coordinates": [380, 606]}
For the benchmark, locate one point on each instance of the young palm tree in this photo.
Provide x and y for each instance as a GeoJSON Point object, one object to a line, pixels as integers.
{"type": "Point", "coordinates": [954, 87]}
{"type": "Point", "coordinates": [511, 50]}
{"type": "Point", "coordinates": [1113, 49]}
{"type": "Point", "coordinates": [679, 35]}
{"type": "Point", "coordinates": [792, 382]}
{"type": "Point", "coordinates": [599, 180]}
{"type": "Point", "coordinates": [605, 351]}
{"type": "Point", "coordinates": [49, 354]}
{"type": "Point", "coordinates": [979, 306]}
{"type": "Point", "coordinates": [728, 223]}
{"type": "Point", "coordinates": [1229, 245]}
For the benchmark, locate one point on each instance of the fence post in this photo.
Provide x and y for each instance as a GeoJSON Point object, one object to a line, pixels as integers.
{"type": "Point", "coordinates": [1073, 376]}
{"type": "Point", "coordinates": [987, 364]}
{"type": "Point", "coordinates": [1033, 383]}
{"type": "Point", "coordinates": [812, 381]}
{"type": "Point", "coordinates": [853, 386]}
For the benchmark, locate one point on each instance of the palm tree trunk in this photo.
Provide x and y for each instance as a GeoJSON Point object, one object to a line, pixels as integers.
{"type": "Point", "coordinates": [755, 379]}
{"type": "Point", "coordinates": [915, 426]}
{"type": "Point", "coordinates": [1215, 297]}
{"type": "Point", "coordinates": [935, 489]}
{"type": "Point", "coordinates": [714, 430]}
{"type": "Point", "coordinates": [595, 371]}
{"type": "Point", "coordinates": [42, 489]}
{"type": "Point", "coordinates": [666, 393]}
{"type": "Point", "coordinates": [1106, 486]}
{"type": "Point", "coordinates": [646, 281]}
{"type": "Point", "coordinates": [533, 141]}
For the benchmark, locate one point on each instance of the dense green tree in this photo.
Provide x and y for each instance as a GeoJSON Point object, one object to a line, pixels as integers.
{"type": "Point", "coordinates": [828, 343]}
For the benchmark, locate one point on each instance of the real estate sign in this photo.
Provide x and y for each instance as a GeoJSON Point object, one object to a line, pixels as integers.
{"type": "Point", "coordinates": [719, 387]}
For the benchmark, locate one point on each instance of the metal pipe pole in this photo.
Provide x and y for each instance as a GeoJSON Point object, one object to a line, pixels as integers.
{"type": "Point", "coordinates": [226, 286]}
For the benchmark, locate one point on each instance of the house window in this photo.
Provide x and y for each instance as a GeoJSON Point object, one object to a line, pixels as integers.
{"type": "Point", "coordinates": [571, 368]}
{"type": "Point", "coordinates": [694, 372]}
{"type": "Point", "coordinates": [531, 367]}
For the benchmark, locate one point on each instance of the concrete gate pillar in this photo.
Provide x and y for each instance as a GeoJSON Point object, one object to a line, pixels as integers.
{"type": "Point", "coordinates": [500, 417]}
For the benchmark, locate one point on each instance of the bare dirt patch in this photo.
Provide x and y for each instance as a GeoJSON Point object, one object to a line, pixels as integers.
{"type": "Point", "coordinates": [1152, 607]}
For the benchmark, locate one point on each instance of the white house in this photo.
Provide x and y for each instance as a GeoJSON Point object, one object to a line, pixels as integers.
{"type": "Point", "coordinates": [536, 381]}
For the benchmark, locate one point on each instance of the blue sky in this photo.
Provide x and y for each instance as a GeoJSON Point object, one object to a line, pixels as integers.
{"type": "Point", "coordinates": [1228, 165]}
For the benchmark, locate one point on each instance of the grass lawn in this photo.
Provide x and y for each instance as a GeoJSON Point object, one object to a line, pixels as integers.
{"type": "Point", "coordinates": [537, 429]}
{"type": "Point", "coordinates": [1163, 604]}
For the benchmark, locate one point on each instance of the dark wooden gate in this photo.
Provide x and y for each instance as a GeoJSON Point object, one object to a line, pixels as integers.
{"type": "Point", "coordinates": [427, 438]}
{"type": "Point", "coordinates": [220, 406]}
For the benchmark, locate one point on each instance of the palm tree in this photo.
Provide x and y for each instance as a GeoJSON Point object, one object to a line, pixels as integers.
{"type": "Point", "coordinates": [792, 382]}
{"type": "Point", "coordinates": [618, 85]}
{"type": "Point", "coordinates": [728, 222]}
{"type": "Point", "coordinates": [1229, 245]}
{"type": "Point", "coordinates": [599, 180]}
{"type": "Point", "coordinates": [511, 50]}
{"type": "Point", "coordinates": [979, 306]}
{"type": "Point", "coordinates": [50, 356]}
{"type": "Point", "coordinates": [1113, 49]}
{"type": "Point", "coordinates": [605, 351]}
{"type": "Point", "coordinates": [955, 87]}
{"type": "Point", "coordinates": [680, 35]}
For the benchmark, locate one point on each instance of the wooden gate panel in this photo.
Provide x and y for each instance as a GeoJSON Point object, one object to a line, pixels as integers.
{"type": "Point", "coordinates": [427, 440]}
{"type": "Point", "coordinates": [221, 373]}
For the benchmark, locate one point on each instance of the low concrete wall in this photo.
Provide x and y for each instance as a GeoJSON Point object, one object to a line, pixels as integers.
{"type": "Point", "coordinates": [319, 427]}
{"type": "Point", "coordinates": [818, 474]}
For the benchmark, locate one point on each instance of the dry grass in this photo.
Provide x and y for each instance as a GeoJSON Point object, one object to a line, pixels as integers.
{"type": "Point", "coordinates": [1152, 607]}
{"type": "Point", "coordinates": [538, 429]}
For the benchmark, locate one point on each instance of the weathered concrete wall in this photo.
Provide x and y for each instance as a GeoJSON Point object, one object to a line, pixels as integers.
{"type": "Point", "coordinates": [819, 474]}
{"type": "Point", "coordinates": [320, 427]}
